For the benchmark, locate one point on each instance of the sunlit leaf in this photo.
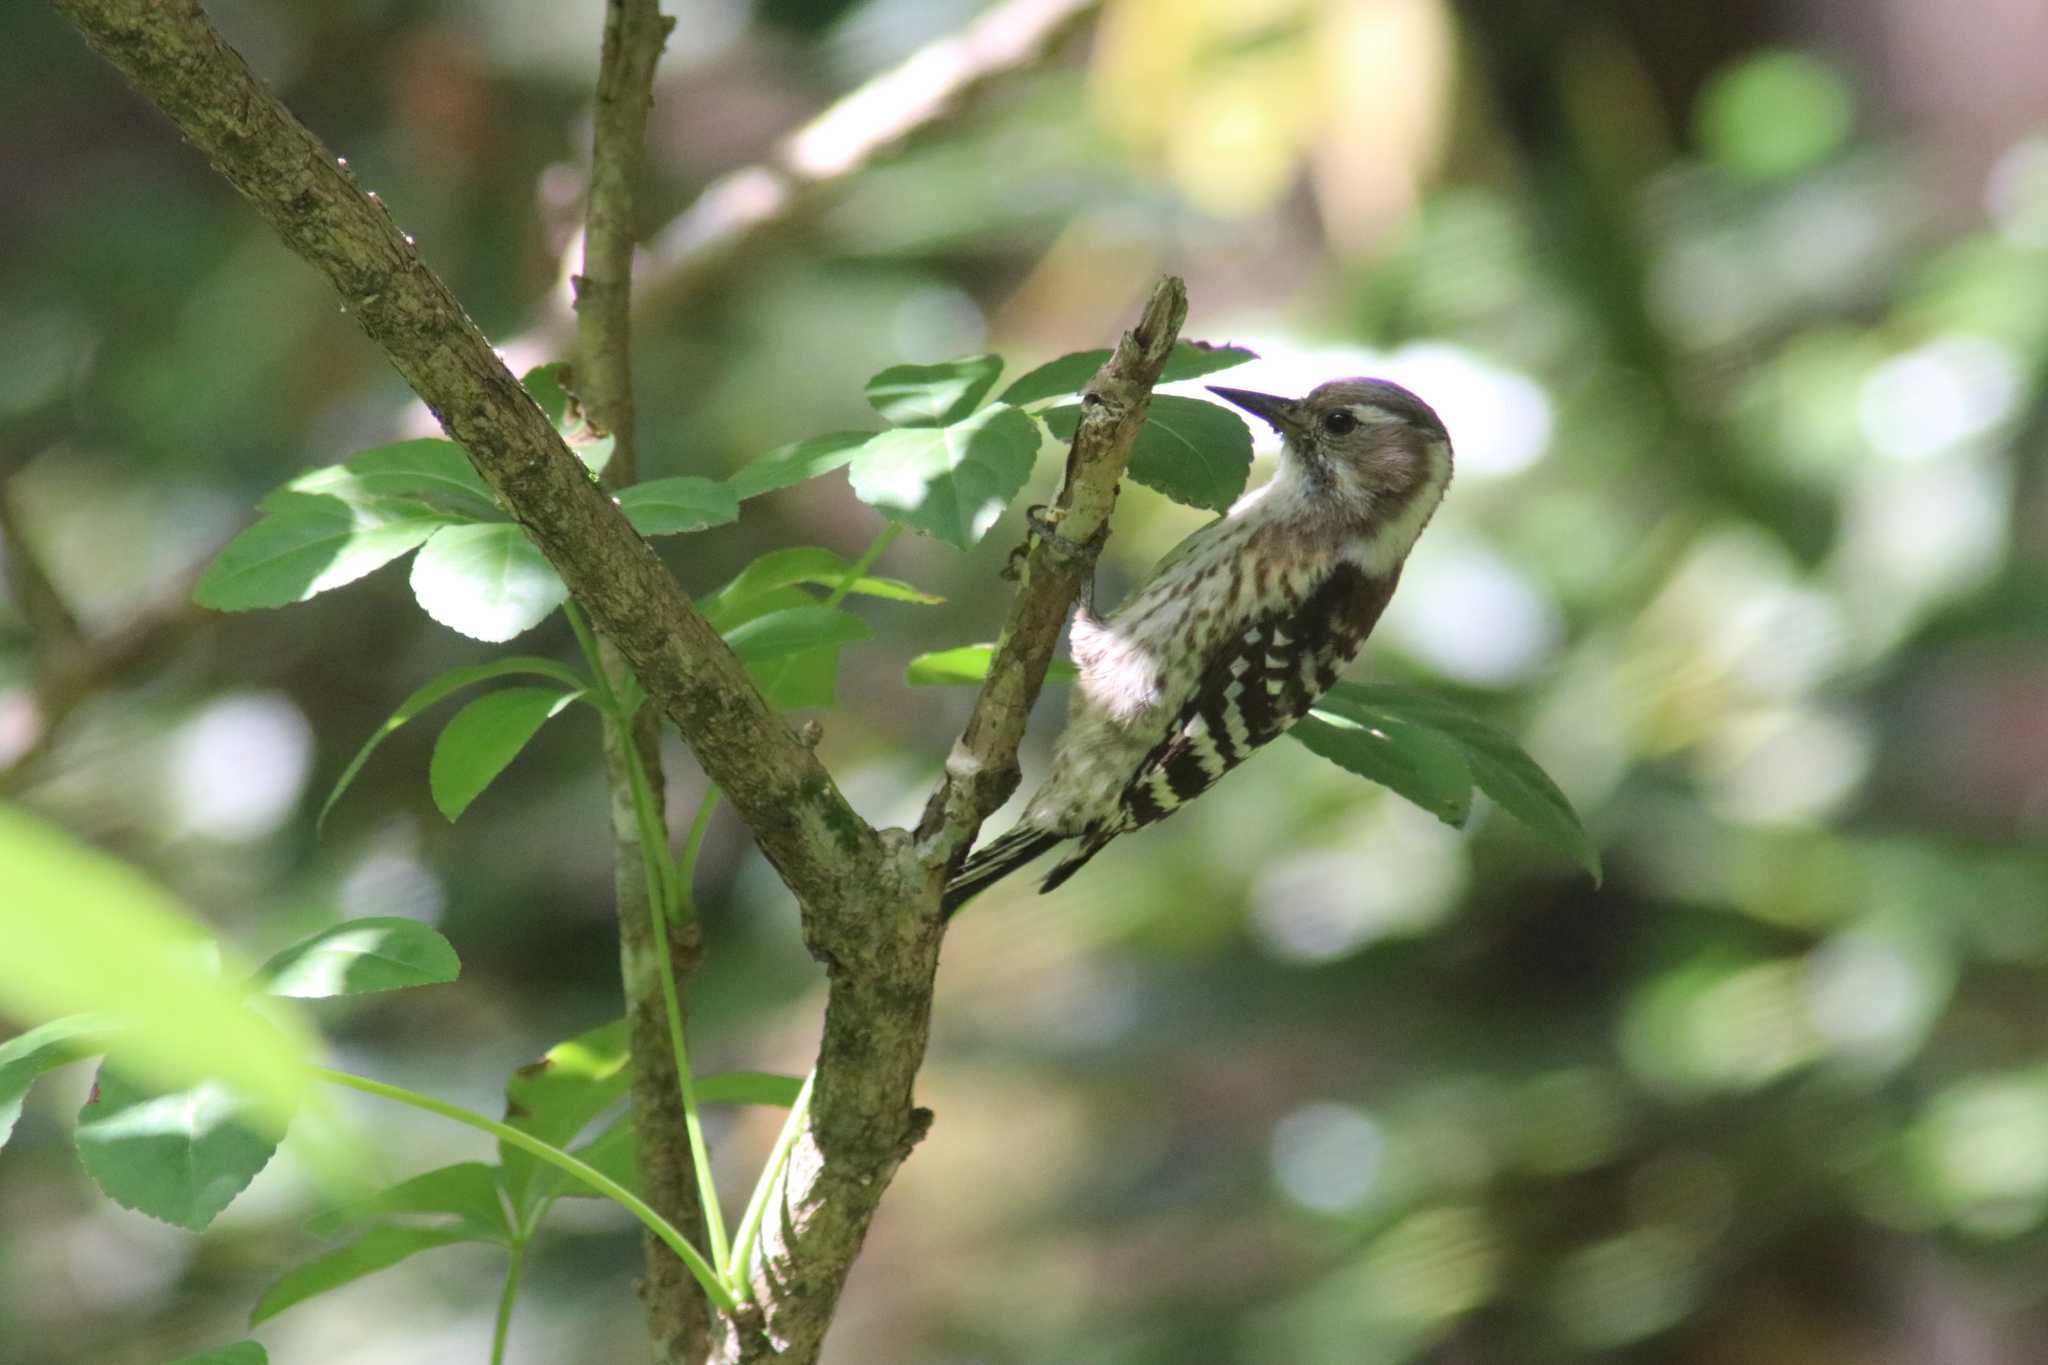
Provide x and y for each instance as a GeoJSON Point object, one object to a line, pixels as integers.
{"type": "Point", "coordinates": [933, 395]}
{"type": "Point", "coordinates": [487, 581]}
{"type": "Point", "coordinates": [44, 1048]}
{"type": "Point", "coordinates": [307, 543]}
{"type": "Point", "coordinates": [468, 1190]}
{"type": "Point", "coordinates": [547, 385]}
{"type": "Point", "coordinates": [1407, 759]}
{"type": "Point", "coordinates": [180, 1156]}
{"type": "Point", "coordinates": [1194, 452]}
{"type": "Point", "coordinates": [430, 471]}
{"type": "Point", "coordinates": [556, 1097]}
{"type": "Point", "coordinates": [781, 633]}
{"type": "Point", "coordinates": [84, 933]}
{"type": "Point", "coordinates": [787, 466]}
{"type": "Point", "coordinates": [666, 507]}
{"type": "Point", "coordinates": [1500, 767]}
{"type": "Point", "coordinates": [484, 737]}
{"type": "Point", "coordinates": [951, 482]}
{"type": "Point", "coordinates": [361, 956]}
{"type": "Point", "coordinates": [970, 664]}
{"type": "Point", "coordinates": [452, 681]}
{"type": "Point", "coordinates": [378, 1249]}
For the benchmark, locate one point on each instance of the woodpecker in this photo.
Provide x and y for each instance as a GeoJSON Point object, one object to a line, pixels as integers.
{"type": "Point", "coordinates": [1239, 629]}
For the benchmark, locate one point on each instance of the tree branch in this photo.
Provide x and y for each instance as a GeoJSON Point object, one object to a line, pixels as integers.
{"type": "Point", "coordinates": [678, 1317]}
{"type": "Point", "coordinates": [981, 772]}
{"type": "Point", "coordinates": [170, 53]}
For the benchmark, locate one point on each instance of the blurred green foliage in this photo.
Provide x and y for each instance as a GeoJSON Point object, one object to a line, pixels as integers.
{"type": "Point", "coordinates": [1747, 547]}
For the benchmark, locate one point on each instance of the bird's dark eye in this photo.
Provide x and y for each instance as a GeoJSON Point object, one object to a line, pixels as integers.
{"type": "Point", "coordinates": [1340, 421]}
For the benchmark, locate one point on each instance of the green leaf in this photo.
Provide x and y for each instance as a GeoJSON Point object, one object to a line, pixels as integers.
{"type": "Point", "coordinates": [807, 678]}
{"type": "Point", "coordinates": [429, 471]}
{"type": "Point", "coordinates": [1407, 759]}
{"type": "Point", "coordinates": [749, 1087]}
{"type": "Point", "coordinates": [951, 482]}
{"type": "Point", "coordinates": [468, 1190]}
{"type": "Point", "coordinates": [1193, 359]}
{"type": "Point", "coordinates": [1194, 452]}
{"type": "Point", "coordinates": [545, 383]}
{"type": "Point", "coordinates": [28, 1055]}
{"type": "Point", "coordinates": [1500, 767]}
{"type": "Point", "coordinates": [378, 1249]}
{"type": "Point", "coordinates": [666, 507]}
{"type": "Point", "coordinates": [452, 681]}
{"type": "Point", "coordinates": [970, 664]}
{"type": "Point", "coordinates": [556, 1097]}
{"type": "Point", "coordinates": [487, 581]}
{"type": "Point", "coordinates": [782, 633]}
{"type": "Point", "coordinates": [305, 544]}
{"type": "Point", "coordinates": [1070, 373]}
{"type": "Point", "coordinates": [614, 1152]}
{"type": "Point", "coordinates": [180, 1156]}
{"type": "Point", "coordinates": [83, 933]}
{"type": "Point", "coordinates": [484, 737]}
{"type": "Point", "coordinates": [933, 395]}
{"type": "Point", "coordinates": [359, 957]}
{"type": "Point", "coordinates": [781, 569]}
{"type": "Point", "coordinates": [787, 466]}
{"type": "Point", "coordinates": [240, 1353]}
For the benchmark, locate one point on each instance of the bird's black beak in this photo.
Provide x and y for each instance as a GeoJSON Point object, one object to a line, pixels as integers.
{"type": "Point", "coordinates": [1280, 413]}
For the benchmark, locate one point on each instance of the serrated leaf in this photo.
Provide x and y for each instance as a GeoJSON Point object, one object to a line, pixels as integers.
{"type": "Point", "coordinates": [468, 1190]}
{"type": "Point", "coordinates": [1406, 759]}
{"type": "Point", "coordinates": [667, 507]}
{"type": "Point", "coordinates": [305, 544]}
{"type": "Point", "coordinates": [1194, 452]}
{"type": "Point", "coordinates": [483, 738]}
{"type": "Point", "coordinates": [780, 569]}
{"type": "Point", "coordinates": [378, 1249]}
{"type": "Point", "coordinates": [1068, 374]}
{"type": "Point", "coordinates": [240, 1353]}
{"type": "Point", "coordinates": [360, 957]}
{"type": "Point", "coordinates": [951, 482]}
{"type": "Point", "coordinates": [452, 681]}
{"type": "Point", "coordinates": [970, 664]}
{"type": "Point", "coordinates": [556, 1097]}
{"type": "Point", "coordinates": [1499, 765]}
{"type": "Point", "coordinates": [45, 1048]}
{"type": "Point", "coordinates": [787, 466]}
{"type": "Point", "coordinates": [85, 934]}
{"type": "Point", "coordinates": [180, 1156]}
{"type": "Point", "coordinates": [749, 1087]}
{"type": "Point", "coordinates": [429, 471]}
{"type": "Point", "coordinates": [933, 395]}
{"type": "Point", "coordinates": [782, 633]}
{"type": "Point", "coordinates": [487, 581]}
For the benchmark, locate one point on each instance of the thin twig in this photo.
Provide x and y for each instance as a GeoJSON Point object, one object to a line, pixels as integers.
{"type": "Point", "coordinates": [678, 1321]}
{"type": "Point", "coordinates": [981, 772]}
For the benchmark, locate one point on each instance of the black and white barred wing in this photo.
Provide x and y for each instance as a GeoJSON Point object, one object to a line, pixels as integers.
{"type": "Point", "coordinates": [1259, 684]}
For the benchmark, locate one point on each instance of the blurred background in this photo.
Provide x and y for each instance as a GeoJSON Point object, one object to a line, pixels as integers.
{"type": "Point", "coordinates": [1738, 315]}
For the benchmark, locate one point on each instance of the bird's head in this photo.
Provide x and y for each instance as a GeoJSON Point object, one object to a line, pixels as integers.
{"type": "Point", "coordinates": [1368, 442]}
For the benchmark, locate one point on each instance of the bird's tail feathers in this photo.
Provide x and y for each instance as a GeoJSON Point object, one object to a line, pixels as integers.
{"type": "Point", "coordinates": [995, 860]}
{"type": "Point", "coordinates": [1074, 862]}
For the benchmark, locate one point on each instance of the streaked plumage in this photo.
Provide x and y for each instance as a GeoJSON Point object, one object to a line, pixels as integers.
{"type": "Point", "coordinates": [1240, 629]}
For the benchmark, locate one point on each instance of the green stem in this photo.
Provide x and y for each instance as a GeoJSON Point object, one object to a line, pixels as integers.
{"type": "Point", "coordinates": [738, 1270]}
{"type": "Point", "coordinates": [866, 561]}
{"type": "Point", "coordinates": [714, 1287]}
{"type": "Point", "coordinates": [503, 1330]}
{"type": "Point", "coordinates": [686, 871]}
{"type": "Point", "coordinates": [664, 878]}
